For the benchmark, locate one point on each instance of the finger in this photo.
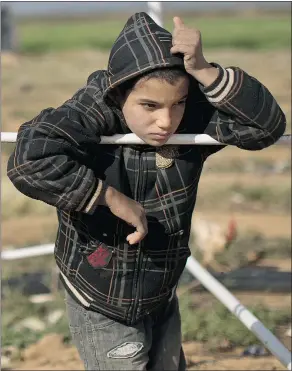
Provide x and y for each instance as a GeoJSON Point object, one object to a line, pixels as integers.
{"type": "Point", "coordinates": [178, 23]}
{"type": "Point", "coordinates": [183, 49]}
{"type": "Point", "coordinates": [140, 233]}
{"type": "Point", "coordinates": [135, 237]}
{"type": "Point", "coordinates": [175, 49]}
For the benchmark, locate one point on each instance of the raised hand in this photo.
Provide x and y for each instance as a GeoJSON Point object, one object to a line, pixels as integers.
{"type": "Point", "coordinates": [188, 42]}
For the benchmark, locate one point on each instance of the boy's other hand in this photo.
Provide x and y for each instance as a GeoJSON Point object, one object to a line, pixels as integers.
{"type": "Point", "coordinates": [188, 42]}
{"type": "Point", "coordinates": [129, 210]}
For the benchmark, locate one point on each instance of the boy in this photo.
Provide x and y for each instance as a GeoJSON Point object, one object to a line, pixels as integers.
{"type": "Point", "coordinates": [125, 211]}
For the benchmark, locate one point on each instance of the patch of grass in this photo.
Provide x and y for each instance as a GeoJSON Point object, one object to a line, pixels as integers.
{"type": "Point", "coordinates": [220, 32]}
{"type": "Point", "coordinates": [49, 36]}
{"type": "Point", "coordinates": [217, 323]}
{"type": "Point", "coordinates": [242, 197]}
{"type": "Point", "coordinates": [12, 269]}
{"type": "Point", "coordinates": [277, 247]}
{"type": "Point", "coordinates": [17, 308]}
{"type": "Point", "coordinates": [209, 326]}
{"type": "Point", "coordinates": [238, 251]}
{"type": "Point", "coordinates": [274, 247]}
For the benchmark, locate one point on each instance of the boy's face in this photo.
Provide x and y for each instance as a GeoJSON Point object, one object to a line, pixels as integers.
{"type": "Point", "coordinates": [154, 109]}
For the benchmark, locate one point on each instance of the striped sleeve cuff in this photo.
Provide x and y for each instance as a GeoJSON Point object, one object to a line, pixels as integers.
{"type": "Point", "coordinates": [219, 89]}
{"type": "Point", "coordinates": [91, 200]}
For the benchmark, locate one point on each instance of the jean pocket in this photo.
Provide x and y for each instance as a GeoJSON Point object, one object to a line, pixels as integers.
{"type": "Point", "coordinates": [98, 321]}
{"type": "Point", "coordinates": [76, 314]}
{"type": "Point", "coordinates": [80, 318]}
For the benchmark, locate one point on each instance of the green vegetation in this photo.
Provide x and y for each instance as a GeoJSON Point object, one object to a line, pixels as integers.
{"type": "Point", "coordinates": [248, 244]}
{"type": "Point", "coordinates": [220, 32]}
{"type": "Point", "coordinates": [217, 323]}
{"type": "Point", "coordinates": [17, 307]}
{"type": "Point", "coordinates": [209, 326]}
{"type": "Point", "coordinates": [251, 243]}
{"type": "Point", "coordinates": [12, 269]}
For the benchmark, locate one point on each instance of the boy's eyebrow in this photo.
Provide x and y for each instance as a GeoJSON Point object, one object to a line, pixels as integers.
{"type": "Point", "coordinates": [153, 101]}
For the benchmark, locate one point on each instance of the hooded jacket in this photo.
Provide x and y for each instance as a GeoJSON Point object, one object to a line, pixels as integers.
{"type": "Point", "coordinates": [58, 160]}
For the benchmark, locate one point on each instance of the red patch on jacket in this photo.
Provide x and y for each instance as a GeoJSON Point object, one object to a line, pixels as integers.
{"type": "Point", "coordinates": [100, 257]}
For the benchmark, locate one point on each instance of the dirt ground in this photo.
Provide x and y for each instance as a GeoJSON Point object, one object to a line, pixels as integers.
{"type": "Point", "coordinates": [51, 354]}
{"type": "Point", "coordinates": [30, 84]}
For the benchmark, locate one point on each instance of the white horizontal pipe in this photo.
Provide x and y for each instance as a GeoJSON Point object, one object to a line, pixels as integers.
{"type": "Point", "coordinates": [174, 139]}
{"type": "Point", "coordinates": [195, 139]}
{"type": "Point", "coordinates": [242, 313]}
{"type": "Point", "coordinates": [27, 252]}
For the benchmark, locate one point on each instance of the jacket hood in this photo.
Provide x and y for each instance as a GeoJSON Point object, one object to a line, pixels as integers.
{"type": "Point", "coordinates": [141, 46]}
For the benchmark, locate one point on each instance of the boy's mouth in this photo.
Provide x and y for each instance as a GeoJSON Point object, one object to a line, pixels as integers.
{"type": "Point", "coordinates": [160, 136]}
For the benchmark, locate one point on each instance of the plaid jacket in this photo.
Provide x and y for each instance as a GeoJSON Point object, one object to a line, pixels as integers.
{"type": "Point", "coordinates": [57, 160]}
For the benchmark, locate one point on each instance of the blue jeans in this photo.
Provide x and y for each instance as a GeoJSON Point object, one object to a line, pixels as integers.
{"type": "Point", "coordinates": [103, 344]}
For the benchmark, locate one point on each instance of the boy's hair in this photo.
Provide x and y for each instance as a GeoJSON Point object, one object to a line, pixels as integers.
{"type": "Point", "coordinates": [168, 74]}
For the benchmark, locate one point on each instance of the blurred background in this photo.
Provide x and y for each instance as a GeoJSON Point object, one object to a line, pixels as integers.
{"type": "Point", "coordinates": [48, 49]}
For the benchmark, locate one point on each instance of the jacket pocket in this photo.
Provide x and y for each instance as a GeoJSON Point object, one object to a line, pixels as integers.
{"type": "Point", "coordinates": [106, 272]}
{"type": "Point", "coordinates": [97, 254]}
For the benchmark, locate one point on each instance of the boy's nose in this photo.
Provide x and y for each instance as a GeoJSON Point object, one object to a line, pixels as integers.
{"type": "Point", "coordinates": [164, 122]}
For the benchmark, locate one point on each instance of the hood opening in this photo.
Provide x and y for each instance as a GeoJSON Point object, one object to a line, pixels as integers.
{"type": "Point", "coordinates": [141, 46]}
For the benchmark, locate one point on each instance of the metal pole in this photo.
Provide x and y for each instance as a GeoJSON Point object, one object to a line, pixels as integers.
{"type": "Point", "coordinates": [180, 139]}
{"type": "Point", "coordinates": [27, 252]}
{"type": "Point", "coordinates": [242, 313]}
{"type": "Point", "coordinates": [155, 12]}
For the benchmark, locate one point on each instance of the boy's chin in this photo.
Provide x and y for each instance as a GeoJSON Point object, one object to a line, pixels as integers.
{"type": "Point", "coordinates": [155, 143]}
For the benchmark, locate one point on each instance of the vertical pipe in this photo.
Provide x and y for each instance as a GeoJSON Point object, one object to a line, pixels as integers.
{"type": "Point", "coordinates": [155, 11]}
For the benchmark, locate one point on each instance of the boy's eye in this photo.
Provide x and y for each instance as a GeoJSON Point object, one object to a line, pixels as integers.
{"type": "Point", "coordinates": [182, 102]}
{"type": "Point", "coordinates": [153, 105]}
{"type": "Point", "coordinates": [148, 105]}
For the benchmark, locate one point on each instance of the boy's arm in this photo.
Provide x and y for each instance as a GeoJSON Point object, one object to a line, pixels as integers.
{"type": "Point", "coordinates": [246, 114]}
{"type": "Point", "coordinates": [50, 163]}
{"type": "Point", "coordinates": [49, 160]}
